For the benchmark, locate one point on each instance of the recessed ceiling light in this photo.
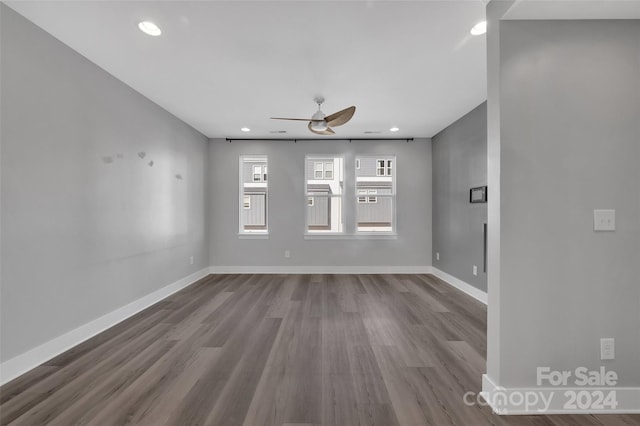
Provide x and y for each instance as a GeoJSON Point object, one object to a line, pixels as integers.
{"type": "Point", "coordinates": [150, 28]}
{"type": "Point", "coordinates": [394, 129]}
{"type": "Point", "coordinates": [245, 129]}
{"type": "Point", "coordinates": [479, 28]}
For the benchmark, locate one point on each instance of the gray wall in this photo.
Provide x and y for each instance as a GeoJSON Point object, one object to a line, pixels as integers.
{"type": "Point", "coordinates": [287, 206]}
{"type": "Point", "coordinates": [87, 225]}
{"type": "Point", "coordinates": [460, 163]}
{"type": "Point", "coordinates": [569, 105]}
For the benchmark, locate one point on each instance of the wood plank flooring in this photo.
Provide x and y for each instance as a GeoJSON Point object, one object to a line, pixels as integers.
{"type": "Point", "coordinates": [279, 350]}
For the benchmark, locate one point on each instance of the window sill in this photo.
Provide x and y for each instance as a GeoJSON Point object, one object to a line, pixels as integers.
{"type": "Point", "coordinates": [253, 236]}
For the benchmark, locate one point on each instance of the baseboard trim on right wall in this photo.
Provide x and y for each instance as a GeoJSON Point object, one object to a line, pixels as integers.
{"type": "Point", "coordinates": [461, 285]}
{"type": "Point", "coordinates": [558, 400]}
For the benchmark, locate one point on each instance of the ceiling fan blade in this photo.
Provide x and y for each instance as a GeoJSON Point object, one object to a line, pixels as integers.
{"type": "Point", "coordinates": [324, 132]}
{"type": "Point", "coordinates": [294, 119]}
{"type": "Point", "coordinates": [341, 117]}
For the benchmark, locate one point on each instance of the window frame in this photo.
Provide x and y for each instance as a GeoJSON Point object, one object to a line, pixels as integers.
{"type": "Point", "coordinates": [387, 167]}
{"type": "Point", "coordinates": [373, 196]}
{"type": "Point", "coordinates": [316, 170]}
{"type": "Point", "coordinates": [328, 168]}
{"type": "Point", "coordinates": [242, 193]}
{"type": "Point", "coordinates": [320, 163]}
{"type": "Point", "coordinates": [370, 199]}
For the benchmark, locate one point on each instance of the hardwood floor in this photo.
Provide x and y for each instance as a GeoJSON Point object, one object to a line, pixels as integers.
{"type": "Point", "coordinates": [279, 350]}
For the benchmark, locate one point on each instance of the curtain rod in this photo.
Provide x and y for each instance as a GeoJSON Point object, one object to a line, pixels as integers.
{"type": "Point", "coordinates": [294, 140]}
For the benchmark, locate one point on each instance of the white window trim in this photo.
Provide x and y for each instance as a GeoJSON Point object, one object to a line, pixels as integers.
{"type": "Point", "coordinates": [393, 234]}
{"type": "Point", "coordinates": [321, 160]}
{"type": "Point", "coordinates": [243, 234]}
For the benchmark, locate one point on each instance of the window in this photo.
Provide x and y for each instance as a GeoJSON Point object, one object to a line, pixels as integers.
{"type": "Point", "coordinates": [362, 196]}
{"type": "Point", "coordinates": [253, 195]}
{"type": "Point", "coordinates": [324, 193]}
{"type": "Point", "coordinates": [372, 200]}
{"type": "Point", "coordinates": [383, 167]}
{"type": "Point", "coordinates": [375, 195]}
{"type": "Point", "coordinates": [323, 170]}
{"type": "Point", "coordinates": [328, 171]}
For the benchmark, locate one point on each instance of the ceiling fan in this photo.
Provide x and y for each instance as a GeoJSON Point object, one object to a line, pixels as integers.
{"type": "Point", "coordinates": [320, 123]}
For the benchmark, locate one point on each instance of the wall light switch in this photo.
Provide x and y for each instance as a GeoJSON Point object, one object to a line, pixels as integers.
{"type": "Point", "coordinates": [604, 220]}
{"type": "Point", "coordinates": [437, 256]}
{"type": "Point", "coordinates": [475, 270]}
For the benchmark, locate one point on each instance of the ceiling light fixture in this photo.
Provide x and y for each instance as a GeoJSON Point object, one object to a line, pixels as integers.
{"type": "Point", "coordinates": [245, 129]}
{"type": "Point", "coordinates": [479, 28]}
{"type": "Point", "coordinates": [150, 28]}
{"type": "Point", "coordinates": [394, 129]}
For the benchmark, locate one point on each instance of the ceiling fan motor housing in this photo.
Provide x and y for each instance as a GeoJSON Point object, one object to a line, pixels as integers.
{"type": "Point", "coordinates": [319, 126]}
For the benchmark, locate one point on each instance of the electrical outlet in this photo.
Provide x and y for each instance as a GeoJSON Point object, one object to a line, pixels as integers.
{"type": "Point", "coordinates": [437, 255]}
{"type": "Point", "coordinates": [287, 254]}
{"type": "Point", "coordinates": [475, 270]}
{"type": "Point", "coordinates": [604, 220]}
{"type": "Point", "coordinates": [607, 348]}
{"type": "Point", "coordinates": [191, 260]}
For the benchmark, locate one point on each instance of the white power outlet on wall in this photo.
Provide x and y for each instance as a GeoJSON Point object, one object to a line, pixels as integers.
{"type": "Point", "coordinates": [191, 260]}
{"type": "Point", "coordinates": [437, 255]}
{"type": "Point", "coordinates": [607, 348]}
{"type": "Point", "coordinates": [604, 220]}
{"type": "Point", "coordinates": [287, 254]}
{"type": "Point", "coordinates": [475, 270]}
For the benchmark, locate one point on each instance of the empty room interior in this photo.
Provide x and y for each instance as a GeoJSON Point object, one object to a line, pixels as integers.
{"type": "Point", "coordinates": [320, 213]}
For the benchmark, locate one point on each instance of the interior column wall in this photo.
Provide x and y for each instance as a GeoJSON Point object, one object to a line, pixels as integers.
{"type": "Point", "coordinates": [563, 123]}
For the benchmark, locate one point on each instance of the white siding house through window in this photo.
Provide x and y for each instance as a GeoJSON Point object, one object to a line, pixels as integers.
{"type": "Point", "coordinates": [375, 194]}
{"type": "Point", "coordinates": [324, 193]}
{"type": "Point", "coordinates": [253, 194]}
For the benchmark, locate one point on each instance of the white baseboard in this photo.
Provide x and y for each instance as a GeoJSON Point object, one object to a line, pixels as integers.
{"type": "Point", "coordinates": [461, 285]}
{"type": "Point", "coordinates": [550, 400]}
{"type": "Point", "coordinates": [320, 269]}
{"type": "Point", "coordinates": [26, 361]}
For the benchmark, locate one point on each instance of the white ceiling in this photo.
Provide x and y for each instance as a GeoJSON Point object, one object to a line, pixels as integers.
{"type": "Point", "coordinates": [222, 65]}
{"type": "Point", "coordinates": [574, 9]}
